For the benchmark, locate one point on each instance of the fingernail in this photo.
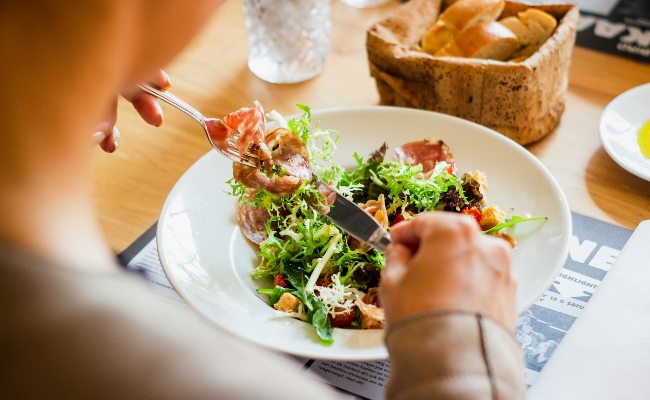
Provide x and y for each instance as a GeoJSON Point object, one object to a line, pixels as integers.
{"type": "Point", "coordinates": [98, 137]}
{"type": "Point", "coordinates": [116, 137]}
{"type": "Point", "coordinates": [160, 111]}
{"type": "Point", "coordinates": [167, 80]}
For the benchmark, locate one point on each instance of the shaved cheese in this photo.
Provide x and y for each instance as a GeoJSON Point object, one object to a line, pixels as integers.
{"type": "Point", "coordinates": [337, 298]}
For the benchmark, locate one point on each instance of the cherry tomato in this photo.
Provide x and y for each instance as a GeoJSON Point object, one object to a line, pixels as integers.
{"type": "Point", "coordinates": [399, 218]}
{"type": "Point", "coordinates": [452, 168]}
{"type": "Point", "coordinates": [280, 280]}
{"type": "Point", "coordinates": [324, 280]}
{"type": "Point", "coordinates": [474, 212]}
{"type": "Point", "coordinates": [343, 318]}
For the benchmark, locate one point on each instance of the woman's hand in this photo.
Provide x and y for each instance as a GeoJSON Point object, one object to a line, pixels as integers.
{"type": "Point", "coordinates": [108, 136]}
{"type": "Point", "coordinates": [442, 261]}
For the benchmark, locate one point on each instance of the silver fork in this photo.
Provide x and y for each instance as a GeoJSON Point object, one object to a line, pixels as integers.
{"type": "Point", "coordinates": [342, 211]}
{"type": "Point", "coordinates": [230, 151]}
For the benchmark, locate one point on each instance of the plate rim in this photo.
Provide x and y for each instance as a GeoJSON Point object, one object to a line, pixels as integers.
{"type": "Point", "coordinates": [645, 175]}
{"type": "Point", "coordinates": [382, 352]}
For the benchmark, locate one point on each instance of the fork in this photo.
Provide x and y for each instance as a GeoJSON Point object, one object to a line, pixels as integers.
{"type": "Point", "coordinates": [230, 151]}
{"type": "Point", "coordinates": [343, 212]}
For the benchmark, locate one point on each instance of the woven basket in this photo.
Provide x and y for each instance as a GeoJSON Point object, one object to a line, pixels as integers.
{"type": "Point", "coordinates": [522, 100]}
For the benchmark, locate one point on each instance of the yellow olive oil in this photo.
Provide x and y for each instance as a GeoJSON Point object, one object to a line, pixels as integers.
{"type": "Point", "coordinates": [644, 139]}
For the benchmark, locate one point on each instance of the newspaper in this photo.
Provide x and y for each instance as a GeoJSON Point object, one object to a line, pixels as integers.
{"type": "Point", "coordinates": [595, 246]}
{"type": "Point", "coordinates": [620, 27]}
{"type": "Point", "coordinates": [593, 249]}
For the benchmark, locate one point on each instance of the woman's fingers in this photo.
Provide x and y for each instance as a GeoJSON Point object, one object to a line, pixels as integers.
{"type": "Point", "coordinates": [406, 234]}
{"type": "Point", "coordinates": [146, 105]}
{"type": "Point", "coordinates": [106, 134]}
{"type": "Point", "coordinates": [148, 108]}
{"type": "Point", "coordinates": [442, 227]}
{"type": "Point", "coordinates": [397, 259]}
{"type": "Point", "coordinates": [112, 141]}
{"type": "Point", "coordinates": [107, 138]}
{"type": "Point", "coordinates": [160, 80]}
{"type": "Point", "coordinates": [441, 261]}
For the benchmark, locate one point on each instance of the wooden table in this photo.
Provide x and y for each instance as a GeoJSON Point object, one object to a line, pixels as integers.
{"type": "Point", "coordinates": [131, 185]}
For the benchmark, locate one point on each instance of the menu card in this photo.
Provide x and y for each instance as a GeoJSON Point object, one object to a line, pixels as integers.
{"type": "Point", "coordinates": [620, 27]}
{"type": "Point", "coordinates": [594, 247]}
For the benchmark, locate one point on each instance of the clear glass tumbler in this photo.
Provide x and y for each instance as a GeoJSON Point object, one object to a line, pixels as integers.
{"type": "Point", "coordinates": [288, 40]}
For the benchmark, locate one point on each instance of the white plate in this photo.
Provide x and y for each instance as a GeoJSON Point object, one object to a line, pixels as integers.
{"type": "Point", "coordinates": [619, 127]}
{"type": "Point", "coordinates": [208, 261]}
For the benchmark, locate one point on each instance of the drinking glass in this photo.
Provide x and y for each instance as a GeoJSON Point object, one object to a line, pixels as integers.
{"type": "Point", "coordinates": [288, 40]}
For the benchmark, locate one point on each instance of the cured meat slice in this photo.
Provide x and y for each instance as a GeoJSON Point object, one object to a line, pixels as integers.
{"type": "Point", "coordinates": [245, 128]}
{"type": "Point", "coordinates": [252, 222]}
{"type": "Point", "coordinates": [287, 151]}
{"type": "Point", "coordinates": [427, 152]}
{"type": "Point", "coordinates": [255, 178]}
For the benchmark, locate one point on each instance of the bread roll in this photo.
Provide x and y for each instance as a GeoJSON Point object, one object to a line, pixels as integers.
{"type": "Point", "coordinates": [488, 40]}
{"type": "Point", "coordinates": [467, 13]}
{"type": "Point", "coordinates": [447, 3]}
{"type": "Point", "coordinates": [438, 37]}
{"type": "Point", "coordinates": [518, 28]}
{"type": "Point", "coordinates": [543, 20]}
{"type": "Point", "coordinates": [461, 15]}
{"type": "Point", "coordinates": [532, 27]}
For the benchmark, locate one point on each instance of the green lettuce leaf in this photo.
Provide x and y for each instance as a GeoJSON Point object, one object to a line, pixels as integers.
{"type": "Point", "coordinates": [512, 221]}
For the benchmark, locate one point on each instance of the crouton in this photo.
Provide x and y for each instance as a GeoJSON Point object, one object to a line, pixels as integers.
{"type": "Point", "coordinates": [287, 303]}
{"type": "Point", "coordinates": [511, 241]}
{"type": "Point", "coordinates": [491, 216]}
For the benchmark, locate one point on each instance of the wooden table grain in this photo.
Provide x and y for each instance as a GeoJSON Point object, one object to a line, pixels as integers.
{"type": "Point", "coordinates": [132, 184]}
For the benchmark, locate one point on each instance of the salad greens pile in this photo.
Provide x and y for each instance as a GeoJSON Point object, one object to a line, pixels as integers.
{"type": "Point", "coordinates": [325, 269]}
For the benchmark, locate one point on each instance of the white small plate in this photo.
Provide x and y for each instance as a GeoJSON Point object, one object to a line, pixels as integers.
{"type": "Point", "coordinates": [208, 261]}
{"type": "Point", "coordinates": [619, 127]}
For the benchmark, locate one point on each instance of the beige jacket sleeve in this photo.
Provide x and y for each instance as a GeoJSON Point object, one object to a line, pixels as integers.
{"type": "Point", "coordinates": [450, 355]}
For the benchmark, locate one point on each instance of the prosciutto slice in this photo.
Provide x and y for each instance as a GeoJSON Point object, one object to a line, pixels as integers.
{"type": "Point", "coordinates": [287, 151]}
{"type": "Point", "coordinates": [245, 128]}
{"type": "Point", "coordinates": [427, 152]}
{"type": "Point", "coordinates": [252, 221]}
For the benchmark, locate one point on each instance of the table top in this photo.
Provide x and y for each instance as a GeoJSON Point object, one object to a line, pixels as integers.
{"type": "Point", "coordinates": [132, 184]}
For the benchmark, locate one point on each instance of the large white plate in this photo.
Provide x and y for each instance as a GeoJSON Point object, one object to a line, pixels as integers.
{"type": "Point", "coordinates": [619, 127]}
{"type": "Point", "coordinates": [208, 261]}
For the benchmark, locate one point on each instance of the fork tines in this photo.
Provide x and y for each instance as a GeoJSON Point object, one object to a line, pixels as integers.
{"type": "Point", "coordinates": [234, 154]}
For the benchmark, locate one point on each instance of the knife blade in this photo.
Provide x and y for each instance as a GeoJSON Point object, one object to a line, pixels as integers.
{"type": "Point", "coordinates": [351, 218]}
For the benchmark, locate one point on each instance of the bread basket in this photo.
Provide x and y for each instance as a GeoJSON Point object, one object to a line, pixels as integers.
{"type": "Point", "coordinates": [522, 100]}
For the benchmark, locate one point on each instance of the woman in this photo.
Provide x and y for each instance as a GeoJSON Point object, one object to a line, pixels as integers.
{"type": "Point", "coordinates": [74, 325]}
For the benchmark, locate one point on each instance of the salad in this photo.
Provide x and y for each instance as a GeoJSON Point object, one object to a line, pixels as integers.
{"type": "Point", "coordinates": [315, 271]}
